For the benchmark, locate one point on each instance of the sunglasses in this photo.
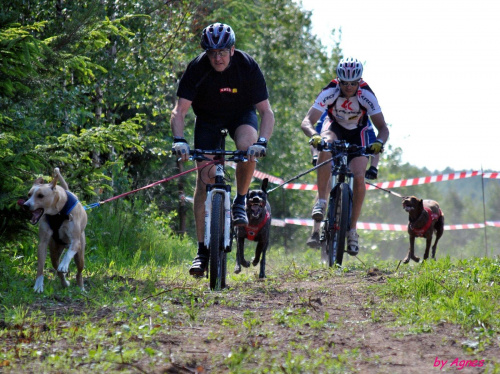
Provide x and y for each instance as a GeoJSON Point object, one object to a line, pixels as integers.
{"type": "Point", "coordinates": [214, 54]}
{"type": "Point", "coordinates": [353, 84]}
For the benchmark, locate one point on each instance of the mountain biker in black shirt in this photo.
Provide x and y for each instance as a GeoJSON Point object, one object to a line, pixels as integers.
{"type": "Point", "coordinates": [225, 87]}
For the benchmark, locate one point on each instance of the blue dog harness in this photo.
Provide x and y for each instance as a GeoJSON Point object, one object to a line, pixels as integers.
{"type": "Point", "coordinates": [55, 221]}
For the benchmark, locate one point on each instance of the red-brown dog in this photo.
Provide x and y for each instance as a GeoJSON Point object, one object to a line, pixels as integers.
{"type": "Point", "coordinates": [425, 218]}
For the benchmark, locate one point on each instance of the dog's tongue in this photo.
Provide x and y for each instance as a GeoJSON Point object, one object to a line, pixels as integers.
{"type": "Point", "coordinates": [255, 210]}
{"type": "Point", "coordinates": [36, 215]}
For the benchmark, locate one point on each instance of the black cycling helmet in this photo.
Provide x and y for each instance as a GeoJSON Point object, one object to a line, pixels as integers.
{"type": "Point", "coordinates": [217, 36]}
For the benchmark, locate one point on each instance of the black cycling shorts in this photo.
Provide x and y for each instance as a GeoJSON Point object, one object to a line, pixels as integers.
{"type": "Point", "coordinates": [359, 135]}
{"type": "Point", "coordinates": [207, 134]}
{"type": "Point", "coordinates": [362, 136]}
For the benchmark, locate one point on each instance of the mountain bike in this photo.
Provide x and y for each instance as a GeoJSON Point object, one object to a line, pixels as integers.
{"type": "Point", "coordinates": [337, 223]}
{"type": "Point", "coordinates": [219, 231]}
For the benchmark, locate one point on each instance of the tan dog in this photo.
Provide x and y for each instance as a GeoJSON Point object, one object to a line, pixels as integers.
{"type": "Point", "coordinates": [425, 218]}
{"type": "Point", "coordinates": [62, 223]}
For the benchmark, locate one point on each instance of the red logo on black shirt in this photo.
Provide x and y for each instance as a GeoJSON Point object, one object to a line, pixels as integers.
{"type": "Point", "coordinates": [228, 89]}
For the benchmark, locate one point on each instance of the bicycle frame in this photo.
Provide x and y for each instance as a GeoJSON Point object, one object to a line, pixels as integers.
{"type": "Point", "coordinates": [338, 219]}
{"type": "Point", "coordinates": [341, 172]}
{"type": "Point", "coordinates": [218, 234]}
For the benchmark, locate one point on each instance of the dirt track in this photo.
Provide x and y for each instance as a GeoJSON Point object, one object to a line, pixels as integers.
{"type": "Point", "coordinates": [303, 321]}
{"type": "Point", "coordinates": [359, 333]}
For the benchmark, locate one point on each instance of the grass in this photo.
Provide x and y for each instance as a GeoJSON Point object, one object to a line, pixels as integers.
{"type": "Point", "coordinates": [140, 299]}
{"type": "Point", "coordinates": [128, 306]}
{"type": "Point", "coordinates": [461, 292]}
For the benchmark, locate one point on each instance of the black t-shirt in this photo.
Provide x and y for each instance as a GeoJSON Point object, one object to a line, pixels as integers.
{"type": "Point", "coordinates": [223, 95]}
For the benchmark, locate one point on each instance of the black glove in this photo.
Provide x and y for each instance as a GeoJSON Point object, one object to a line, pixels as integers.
{"type": "Point", "coordinates": [371, 173]}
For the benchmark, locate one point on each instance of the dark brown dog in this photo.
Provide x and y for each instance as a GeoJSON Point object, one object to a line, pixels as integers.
{"type": "Point", "coordinates": [257, 230]}
{"type": "Point", "coordinates": [425, 218]}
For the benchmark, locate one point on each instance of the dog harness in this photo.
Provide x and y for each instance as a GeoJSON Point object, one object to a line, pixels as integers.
{"type": "Point", "coordinates": [55, 221]}
{"type": "Point", "coordinates": [253, 231]}
{"type": "Point", "coordinates": [432, 216]}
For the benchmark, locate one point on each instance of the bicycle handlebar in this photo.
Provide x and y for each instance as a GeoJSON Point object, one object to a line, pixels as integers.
{"type": "Point", "coordinates": [343, 147]}
{"type": "Point", "coordinates": [199, 155]}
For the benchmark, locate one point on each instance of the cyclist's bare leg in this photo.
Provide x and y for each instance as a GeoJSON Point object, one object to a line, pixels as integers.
{"type": "Point", "coordinates": [200, 194]}
{"type": "Point", "coordinates": [358, 167]}
{"type": "Point", "coordinates": [244, 137]}
{"type": "Point", "coordinates": [324, 172]}
{"type": "Point", "coordinates": [323, 176]}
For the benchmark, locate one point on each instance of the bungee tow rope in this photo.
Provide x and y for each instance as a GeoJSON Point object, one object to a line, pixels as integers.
{"type": "Point", "coordinates": [95, 205]}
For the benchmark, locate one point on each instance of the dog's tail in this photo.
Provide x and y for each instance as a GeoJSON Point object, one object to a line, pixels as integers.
{"type": "Point", "coordinates": [60, 179]}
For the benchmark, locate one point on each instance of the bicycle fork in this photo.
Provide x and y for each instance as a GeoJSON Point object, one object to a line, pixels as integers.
{"type": "Point", "coordinates": [339, 176]}
{"type": "Point", "coordinates": [343, 177]}
{"type": "Point", "coordinates": [225, 191]}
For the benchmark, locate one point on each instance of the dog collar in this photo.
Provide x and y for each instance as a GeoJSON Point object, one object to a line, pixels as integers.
{"type": "Point", "coordinates": [70, 204]}
{"type": "Point", "coordinates": [252, 231]}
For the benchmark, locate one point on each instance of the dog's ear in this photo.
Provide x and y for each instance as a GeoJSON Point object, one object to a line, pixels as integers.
{"type": "Point", "coordinates": [39, 180]}
{"type": "Point", "coordinates": [265, 182]}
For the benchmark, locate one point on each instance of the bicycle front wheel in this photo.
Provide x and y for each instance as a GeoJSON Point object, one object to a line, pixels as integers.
{"type": "Point", "coordinates": [218, 258]}
{"type": "Point", "coordinates": [338, 222]}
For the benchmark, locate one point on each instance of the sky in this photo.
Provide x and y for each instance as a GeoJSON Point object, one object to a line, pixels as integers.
{"type": "Point", "coordinates": [433, 66]}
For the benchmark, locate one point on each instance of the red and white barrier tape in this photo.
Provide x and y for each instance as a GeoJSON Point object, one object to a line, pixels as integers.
{"type": "Point", "coordinates": [491, 175]}
{"type": "Point", "coordinates": [260, 175]}
{"type": "Point", "coordinates": [386, 185]}
{"type": "Point", "coordinates": [393, 184]}
{"type": "Point", "coordinates": [382, 226]}
{"type": "Point", "coordinates": [425, 180]}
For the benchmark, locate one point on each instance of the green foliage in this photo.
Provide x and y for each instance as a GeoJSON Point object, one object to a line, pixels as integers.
{"type": "Point", "coordinates": [90, 87]}
{"type": "Point", "coordinates": [133, 228]}
{"type": "Point", "coordinates": [83, 89]}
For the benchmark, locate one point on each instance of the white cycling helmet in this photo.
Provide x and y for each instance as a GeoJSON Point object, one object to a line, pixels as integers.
{"type": "Point", "coordinates": [349, 69]}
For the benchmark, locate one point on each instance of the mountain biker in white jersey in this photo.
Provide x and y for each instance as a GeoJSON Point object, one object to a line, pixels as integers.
{"type": "Point", "coordinates": [314, 240]}
{"type": "Point", "coordinates": [350, 103]}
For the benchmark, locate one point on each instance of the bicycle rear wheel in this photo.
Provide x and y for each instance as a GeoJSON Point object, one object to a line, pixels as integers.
{"type": "Point", "coordinates": [218, 258]}
{"type": "Point", "coordinates": [338, 222]}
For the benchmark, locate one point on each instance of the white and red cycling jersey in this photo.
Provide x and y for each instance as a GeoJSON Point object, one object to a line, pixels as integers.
{"type": "Point", "coordinates": [349, 113]}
